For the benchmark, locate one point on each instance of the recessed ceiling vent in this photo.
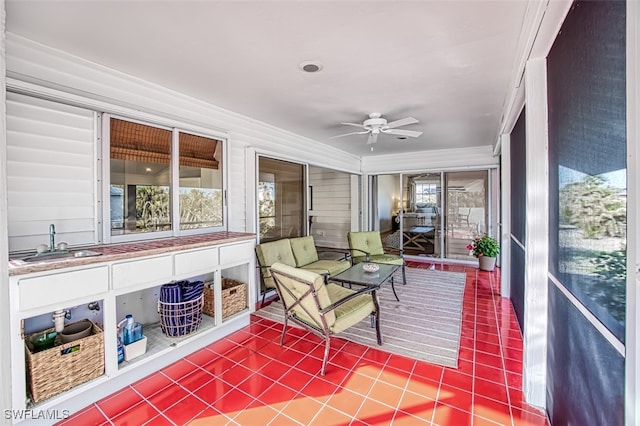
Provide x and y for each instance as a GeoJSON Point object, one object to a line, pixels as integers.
{"type": "Point", "coordinates": [311, 66]}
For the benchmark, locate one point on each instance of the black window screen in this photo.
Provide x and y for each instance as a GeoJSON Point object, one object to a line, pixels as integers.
{"type": "Point", "coordinates": [587, 159]}
{"type": "Point", "coordinates": [518, 146]}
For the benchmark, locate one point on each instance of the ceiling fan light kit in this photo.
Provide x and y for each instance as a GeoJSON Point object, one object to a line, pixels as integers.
{"type": "Point", "coordinates": [376, 124]}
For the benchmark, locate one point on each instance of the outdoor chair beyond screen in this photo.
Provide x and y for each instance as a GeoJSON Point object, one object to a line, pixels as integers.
{"type": "Point", "coordinates": [323, 309]}
{"type": "Point", "coordinates": [367, 247]}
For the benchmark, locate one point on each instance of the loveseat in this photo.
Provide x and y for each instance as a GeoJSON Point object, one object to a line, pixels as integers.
{"type": "Point", "coordinates": [298, 252]}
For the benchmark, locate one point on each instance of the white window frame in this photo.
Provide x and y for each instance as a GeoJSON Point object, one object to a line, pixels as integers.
{"type": "Point", "coordinates": [104, 158]}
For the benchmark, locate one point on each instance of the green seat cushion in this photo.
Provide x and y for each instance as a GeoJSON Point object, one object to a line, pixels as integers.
{"type": "Point", "coordinates": [351, 312]}
{"type": "Point", "coordinates": [390, 259]}
{"type": "Point", "coordinates": [332, 267]}
{"type": "Point", "coordinates": [304, 250]}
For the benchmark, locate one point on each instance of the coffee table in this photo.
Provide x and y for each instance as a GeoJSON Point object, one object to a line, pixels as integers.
{"type": "Point", "coordinates": [419, 238]}
{"type": "Point", "coordinates": [358, 276]}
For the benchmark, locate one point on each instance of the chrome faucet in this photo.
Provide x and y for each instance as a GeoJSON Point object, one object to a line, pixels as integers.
{"type": "Point", "coordinates": [52, 237]}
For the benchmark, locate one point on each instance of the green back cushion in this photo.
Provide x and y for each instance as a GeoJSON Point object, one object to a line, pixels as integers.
{"type": "Point", "coordinates": [273, 252]}
{"type": "Point", "coordinates": [369, 241]}
{"type": "Point", "coordinates": [304, 250]}
{"type": "Point", "coordinates": [298, 281]}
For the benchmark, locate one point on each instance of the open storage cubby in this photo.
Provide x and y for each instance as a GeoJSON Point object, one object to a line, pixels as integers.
{"type": "Point", "coordinates": [144, 306]}
{"type": "Point", "coordinates": [234, 288]}
{"type": "Point", "coordinates": [65, 365]}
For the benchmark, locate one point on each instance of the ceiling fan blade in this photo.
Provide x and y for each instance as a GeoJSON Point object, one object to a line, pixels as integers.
{"type": "Point", "coordinates": [373, 137]}
{"type": "Point", "coordinates": [349, 134]}
{"type": "Point", "coordinates": [353, 124]}
{"type": "Point", "coordinates": [401, 132]}
{"type": "Point", "coordinates": [401, 122]}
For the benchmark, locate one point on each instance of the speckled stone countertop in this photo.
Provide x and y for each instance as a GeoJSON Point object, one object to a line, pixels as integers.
{"type": "Point", "coordinates": [112, 252]}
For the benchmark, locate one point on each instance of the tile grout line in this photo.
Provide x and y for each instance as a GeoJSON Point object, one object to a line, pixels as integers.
{"type": "Point", "coordinates": [145, 399]}
{"type": "Point", "coordinates": [475, 341]}
{"type": "Point", "coordinates": [504, 364]}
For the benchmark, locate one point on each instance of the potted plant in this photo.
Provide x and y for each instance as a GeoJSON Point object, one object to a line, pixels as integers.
{"type": "Point", "coordinates": [486, 249]}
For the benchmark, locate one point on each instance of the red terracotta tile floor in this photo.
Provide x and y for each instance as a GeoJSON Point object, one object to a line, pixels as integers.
{"type": "Point", "coordinates": [248, 379]}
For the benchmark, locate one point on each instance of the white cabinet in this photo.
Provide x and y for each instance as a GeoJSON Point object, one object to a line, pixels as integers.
{"type": "Point", "coordinates": [53, 289]}
{"type": "Point", "coordinates": [134, 282]}
{"type": "Point", "coordinates": [235, 253]}
{"type": "Point", "coordinates": [141, 271]}
{"type": "Point", "coordinates": [198, 261]}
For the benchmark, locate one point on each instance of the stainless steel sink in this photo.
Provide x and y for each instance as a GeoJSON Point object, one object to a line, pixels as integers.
{"type": "Point", "coordinates": [43, 257]}
{"type": "Point", "coordinates": [85, 253]}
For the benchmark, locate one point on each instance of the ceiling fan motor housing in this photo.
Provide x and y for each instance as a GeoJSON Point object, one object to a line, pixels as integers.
{"type": "Point", "coordinates": [374, 123]}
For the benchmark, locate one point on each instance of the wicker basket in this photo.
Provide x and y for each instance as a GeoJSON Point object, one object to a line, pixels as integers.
{"type": "Point", "coordinates": [234, 297]}
{"type": "Point", "coordinates": [64, 366]}
{"type": "Point", "coordinates": [180, 319]}
{"type": "Point", "coordinates": [208, 307]}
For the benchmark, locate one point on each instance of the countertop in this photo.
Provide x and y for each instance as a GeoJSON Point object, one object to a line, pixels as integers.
{"type": "Point", "coordinates": [120, 251]}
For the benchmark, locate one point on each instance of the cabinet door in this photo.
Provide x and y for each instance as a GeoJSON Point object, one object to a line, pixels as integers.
{"type": "Point", "coordinates": [63, 287]}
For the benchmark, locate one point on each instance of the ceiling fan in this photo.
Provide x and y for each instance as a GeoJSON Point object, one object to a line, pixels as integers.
{"type": "Point", "coordinates": [375, 125]}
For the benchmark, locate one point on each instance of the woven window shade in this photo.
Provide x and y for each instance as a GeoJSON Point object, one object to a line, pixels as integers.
{"type": "Point", "coordinates": [198, 151]}
{"type": "Point", "coordinates": [147, 144]}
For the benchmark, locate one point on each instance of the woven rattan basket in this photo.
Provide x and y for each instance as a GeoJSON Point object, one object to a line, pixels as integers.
{"type": "Point", "coordinates": [180, 319]}
{"type": "Point", "coordinates": [208, 307]}
{"type": "Point", "coordinates": [234, 297]}
{"type": "Point", "coordinates": [64, 366]}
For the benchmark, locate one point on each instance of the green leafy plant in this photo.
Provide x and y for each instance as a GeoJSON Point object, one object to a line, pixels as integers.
{"type": "Point", "coordinates": [484, 246]}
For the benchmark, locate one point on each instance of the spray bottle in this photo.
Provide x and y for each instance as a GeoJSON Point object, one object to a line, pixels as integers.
{"type": "Point", "coordinates": [131, 331]}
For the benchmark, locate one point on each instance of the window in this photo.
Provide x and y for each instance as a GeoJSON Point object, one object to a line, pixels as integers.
{"type": "Point", "coordinates": [200, 182]}
{"type": "Point", "coordinates": [267, 203]}
{"type": "Point", "coordinates": [143, 180]}
{"type": "Point", "coordinates": [426, 193]}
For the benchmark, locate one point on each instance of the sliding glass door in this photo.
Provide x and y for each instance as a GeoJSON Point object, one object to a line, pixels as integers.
{"type": "Point", "coordinates": [421, 219]}
{"type": "Point", "coordinates": [431, 214]}
{"type": "Point", "coordinates": [466, 200]}
{"type": "Point", "coordinates": [281, 199]}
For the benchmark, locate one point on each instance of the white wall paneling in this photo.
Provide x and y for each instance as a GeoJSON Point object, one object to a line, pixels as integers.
{"type": "Point", "coordinates": [51, 172]}
{"type": "Point", "coordinates": [77, 81]}
{"type": "Point", "coordinates": [40, 71]}
{"type": "Point", "coordinates": [237, 198]}
{"type": "Point", "coordinates": [331, 207]}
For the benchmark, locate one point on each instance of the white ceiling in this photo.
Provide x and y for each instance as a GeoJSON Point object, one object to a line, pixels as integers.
{"type": "Point", "coordinates": [446, 63]}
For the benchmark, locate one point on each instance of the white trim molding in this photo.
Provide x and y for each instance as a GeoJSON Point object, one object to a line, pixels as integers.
{"type": "Point", "coordinates": [5, 305]}
{"type": "Point", "coordinates": [504, 226]}
{"type": "Point", "coordinates": [632, 340]}
{"type": "Point", "coordinates": [537, 235]}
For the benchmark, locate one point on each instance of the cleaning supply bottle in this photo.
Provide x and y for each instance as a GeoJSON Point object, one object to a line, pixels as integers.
{"type": "Point", "coordinates": [131, 330]}
{"type": "Point", "coordinates": [120, 346]}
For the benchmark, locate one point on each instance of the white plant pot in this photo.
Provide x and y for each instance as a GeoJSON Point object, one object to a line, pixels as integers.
{"type": "Point", "coordinates": [487, 263]}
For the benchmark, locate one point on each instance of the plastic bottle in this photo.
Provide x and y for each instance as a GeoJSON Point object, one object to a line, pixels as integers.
{"type": "Point", "coordinates": [131, 330]}
{"type": "Point", "coordinates": [120, 347]}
